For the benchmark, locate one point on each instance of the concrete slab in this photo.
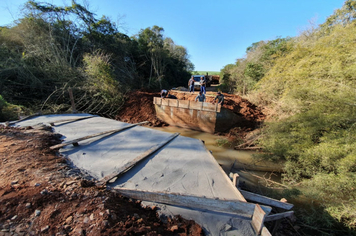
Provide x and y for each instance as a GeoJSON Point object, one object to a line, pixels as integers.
{"type": "Point", "coordinates": [183, 166]}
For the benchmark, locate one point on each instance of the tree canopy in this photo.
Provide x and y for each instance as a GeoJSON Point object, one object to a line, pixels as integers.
{"type": "Point", "coordinates": [54, 48]}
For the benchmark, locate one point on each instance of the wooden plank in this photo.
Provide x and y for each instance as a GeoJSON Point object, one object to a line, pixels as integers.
{"type": "Point", "coordinates": [183, 104]}
{"type": "Point", "coordinates": [75, 141]}
{"type": "Point", "coordinates": [265, 232]}
{"type": "Point", "coordinates": [173, 102]}
{"type": "Point", "coordinates": [137, 159]}
{"type": "Point", "coordinates": [195, 105]}
{"type": "Point", "coordinates": [70, 120]}
{"type": "Point", "coordinates": [279, 216]}
{"type": "Point", "coordinates": [22, 119]}
{"type": "Point", "coordinates": [231, 206]}
{"type": "Point", "coordinates": [70, 91]}
{"type": "Point", "coordinates": [235, 180]}
{"type": "Point", "coordinates": [265, 200]}
{"type": "Point", "coordinates": [165, 102]}
{"type": "Point", "coordinates": [209, 107]}
{"type": "Point", "coordinates": [157, 100]}
{"type": "Point", "coordinates": [258, 219]}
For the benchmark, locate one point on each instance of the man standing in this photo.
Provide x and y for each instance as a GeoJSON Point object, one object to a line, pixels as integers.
{"type": "Point", "coordinates": [164, 93]}
{"type": "Point", "coordinates": [202, 84]}
{"type": "Point", "coordinates": [200, 97]}
{"type": "Point", "coordinates": [220, 98]}
{"type": "Point", "coordinates": [191, 84]}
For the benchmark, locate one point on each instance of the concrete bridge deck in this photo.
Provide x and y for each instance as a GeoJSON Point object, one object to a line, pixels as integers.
{"type": "Point", "coordinates": [180, 175]}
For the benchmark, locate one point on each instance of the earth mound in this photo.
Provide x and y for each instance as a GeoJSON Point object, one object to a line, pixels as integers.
{"type": "Point", "coordinates": [139, 107]}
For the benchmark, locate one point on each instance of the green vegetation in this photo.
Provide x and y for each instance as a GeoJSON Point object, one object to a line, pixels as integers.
{"type": "Point", "coordinates": [204, 72]}
{"type": "Point", "coordinates": [8, 111]}
{"type": "Point", "coordinates": [53, 49]}
{"type": "Point", "coordinates": [308, 84]}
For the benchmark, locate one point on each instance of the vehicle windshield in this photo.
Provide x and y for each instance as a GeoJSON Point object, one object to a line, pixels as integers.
{"type": "Point", "coordinates": [197, 78]}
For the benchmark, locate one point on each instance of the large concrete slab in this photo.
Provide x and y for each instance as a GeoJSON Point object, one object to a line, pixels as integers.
{"type": "Point", "coordinates": [183, 166]}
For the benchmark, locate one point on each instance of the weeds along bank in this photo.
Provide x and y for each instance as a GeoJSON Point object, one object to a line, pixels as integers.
{"type": "Point", "coordinates": [307, 85]}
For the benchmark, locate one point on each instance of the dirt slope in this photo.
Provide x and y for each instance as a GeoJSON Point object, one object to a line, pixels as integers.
{"type": "Point", "coordinates": [41, 195]}
{"type": "Point", "coordinates": [139, 107]}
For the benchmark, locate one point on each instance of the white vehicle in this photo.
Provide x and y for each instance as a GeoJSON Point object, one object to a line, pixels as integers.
{"type": "Point", "coordinates": [197, 81]}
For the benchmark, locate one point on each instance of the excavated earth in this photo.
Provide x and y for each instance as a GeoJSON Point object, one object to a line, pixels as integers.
{"type": "Point", "coordinates": [41, 195]}
{"type": "Point", "coordinates": [139, 107]}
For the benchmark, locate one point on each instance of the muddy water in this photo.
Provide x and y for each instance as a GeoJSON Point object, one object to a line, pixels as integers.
{"type": "Point", "coordinates": [227, 157]}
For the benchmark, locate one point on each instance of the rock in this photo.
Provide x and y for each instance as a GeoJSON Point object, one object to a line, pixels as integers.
{"type": "Point", "coordinates": [37, 184]}
{"type": "Point", "coordinates": [14, 217]}
{"type": "Point", "coordinates": [91, 217]}
{"type": "Point", "coordinates": [28, 205]}
{"type": "Point", "coordinates": [45, 229]}
{"type": "Point", "coordinates": [79, 231]}
{"type": "Point", "coordinates": [86, 220]}
{"type": "Point", "coordinates": [174, 227]}
{"type": "Point", "coordinates": [69, 220]}
{"type": "Point", "coordinates": [67, 227]}
{"type": "Point", "coordinates": [14, 182]}
{"type": "Point", "coordinates": [37, 213]}
{"type": "Point", "coordinates": [283, 200]}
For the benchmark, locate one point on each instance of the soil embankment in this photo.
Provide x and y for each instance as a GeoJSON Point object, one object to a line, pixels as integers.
{"type": "Point", "coordinates": [41, 195]}
{"type": "Point", "coordinates": [139, 107]}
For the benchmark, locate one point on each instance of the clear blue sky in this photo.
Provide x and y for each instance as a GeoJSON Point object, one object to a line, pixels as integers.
{"type": "Point", "coordinates": [215, 33]}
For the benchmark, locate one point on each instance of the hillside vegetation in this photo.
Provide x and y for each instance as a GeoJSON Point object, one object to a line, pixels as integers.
{"type": "Point", "coordinates": [52, 49]}
{"type": "Point", "coordinates": [308, 86]}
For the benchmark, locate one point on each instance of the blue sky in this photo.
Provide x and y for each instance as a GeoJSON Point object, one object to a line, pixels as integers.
{"type": "Point", "coordinates": [215, 33]}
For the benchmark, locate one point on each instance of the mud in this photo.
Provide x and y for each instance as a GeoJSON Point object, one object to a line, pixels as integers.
{"type": "Point", "coordinates": [41, 195]}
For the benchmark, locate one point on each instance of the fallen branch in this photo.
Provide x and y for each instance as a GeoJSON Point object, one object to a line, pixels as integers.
{"type": "Point", "coordinates": [274, 182]}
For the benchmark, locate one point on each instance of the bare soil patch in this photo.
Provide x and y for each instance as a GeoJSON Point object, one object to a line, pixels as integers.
{"type": "Point", "coordinates": [41, 195]}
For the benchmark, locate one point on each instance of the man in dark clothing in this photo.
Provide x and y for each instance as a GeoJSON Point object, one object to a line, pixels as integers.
{"type": "Point", "coordinates": [220, 98]}
{"type": "Point", "coordinates": [191, 84]}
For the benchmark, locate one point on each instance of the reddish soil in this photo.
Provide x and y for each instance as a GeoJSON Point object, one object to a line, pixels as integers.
{"type": "Point", "coordinates": [139, 107]}
{"type": "Point", "coordinates": [41, 195]}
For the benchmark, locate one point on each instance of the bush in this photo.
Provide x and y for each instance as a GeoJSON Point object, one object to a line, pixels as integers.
{"type": "Point", "coordinates": [8, 111]}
